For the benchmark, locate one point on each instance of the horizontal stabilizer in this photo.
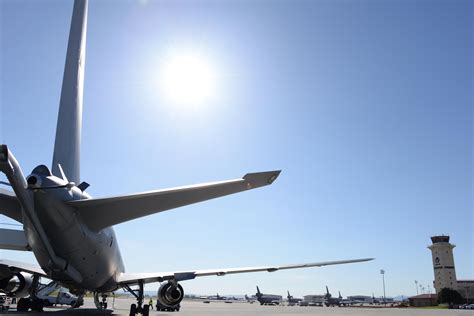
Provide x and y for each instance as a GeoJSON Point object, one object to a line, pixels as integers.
{"type": "Point", "coordinates": [105, 212]}
{"type": "Point", "coordinates": [11, 239]}
{"type": "Point", "coordinates": [134, 278]}
{"type": "Point", "coordinates": [9, 205]}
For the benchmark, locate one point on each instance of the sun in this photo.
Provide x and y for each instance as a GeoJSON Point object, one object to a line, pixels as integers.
{"type": "Point", "coordinates": [188, 79]}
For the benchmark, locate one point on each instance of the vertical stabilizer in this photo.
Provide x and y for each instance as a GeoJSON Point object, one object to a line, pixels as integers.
{"type": "Point", "coordinates": [68, 130]}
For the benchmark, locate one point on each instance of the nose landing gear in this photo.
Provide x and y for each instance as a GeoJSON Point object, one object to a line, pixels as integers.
{"type": "Point", "coordinates": [138, 308]}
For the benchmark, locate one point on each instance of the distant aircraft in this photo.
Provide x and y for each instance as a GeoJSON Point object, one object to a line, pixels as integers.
{"type": "Point", "coordinates": [250, 300]}
{"type": "Point", "coordinates": [71, 234]}
{"type": "Point", "coordinates": [292, 300]}
{"type": "Point", "coordinates": [268, 299]}
{"type": "Point", "coordinates": [332, 301]}
{"type": "Point", "coordinates": [217, 297]}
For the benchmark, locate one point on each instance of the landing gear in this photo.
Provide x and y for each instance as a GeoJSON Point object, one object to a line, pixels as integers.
{"type": "Point", "coordinates": [100, 304]}
{"type": "Point", "coordinates": [138, 308]}
{"type": "Point", "coordinates": [133, 309]}
{"type": "Point", "coordinates": [23, 305]}
{"type": "Point", "coordinates": [33, 303]}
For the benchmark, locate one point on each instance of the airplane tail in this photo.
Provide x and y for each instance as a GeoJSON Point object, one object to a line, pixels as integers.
{"type": "Point", "coordinates": [328, 295]}
{"type": "Point", "coordinates": [258, 292]}
{"type": "Point", "coordinates": [68, 130]}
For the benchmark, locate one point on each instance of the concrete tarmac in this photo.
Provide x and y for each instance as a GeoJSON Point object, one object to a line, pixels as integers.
{"type": "Point", "coordinates": [198, 308]}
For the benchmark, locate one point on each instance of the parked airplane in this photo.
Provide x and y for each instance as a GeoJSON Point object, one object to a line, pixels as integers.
{"type": "Point", "coordinates": [71, 234]}
{"type": "Point", "coordinates": [250, 300]}
{"type": "Point", "coordinates": [332, 301]}
{"type": "Point", "coordinates": [268, 299]}
{"type": "Point", "coordinates": [293, 301]}
{"type": "Point", "coordinates": [217, 297]}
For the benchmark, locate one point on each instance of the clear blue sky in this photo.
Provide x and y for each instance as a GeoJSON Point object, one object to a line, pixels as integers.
{"type": "Point", "coordinates": [366, 106]}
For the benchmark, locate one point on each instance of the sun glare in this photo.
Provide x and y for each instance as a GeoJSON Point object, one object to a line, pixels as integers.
{"type": "Point", "coordinates": [188, 79]}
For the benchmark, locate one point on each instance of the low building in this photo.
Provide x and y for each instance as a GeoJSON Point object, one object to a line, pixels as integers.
{"type": "Point", "coordinates": [314, 298]}
{"type": "Point", "coordinates": [364, 299]}
{"type": "Point", "coordinates": [423, 300]}
{"type": "Point", "coordinates": [466, 289]}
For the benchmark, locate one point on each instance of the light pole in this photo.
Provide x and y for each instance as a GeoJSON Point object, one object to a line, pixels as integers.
{"type": "Point", "coordinates": [382, 272]}
{"type": "Point", "coordinates": [416, 285]}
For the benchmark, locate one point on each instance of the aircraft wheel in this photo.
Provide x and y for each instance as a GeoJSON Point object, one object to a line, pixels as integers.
{"type": "Point", "coordinates": [146, 310]}
{"type": "Point", "coordinates": [133, 310]}
{"type": "Point", "coordinates": [36, 305]}
{"type": "Point", "coordinates": [23, 305]}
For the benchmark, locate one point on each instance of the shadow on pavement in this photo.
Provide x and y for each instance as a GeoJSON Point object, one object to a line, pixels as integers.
{"type": "Point", "coordinates": [80, 311]}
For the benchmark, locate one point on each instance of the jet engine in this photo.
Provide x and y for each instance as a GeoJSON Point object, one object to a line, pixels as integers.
{"type": "Point", "coordinates": [33, 181]}
{"type": "Point", "coordinates": [170, 294]}
{"type": "Point", "coordinates": [18, 285]}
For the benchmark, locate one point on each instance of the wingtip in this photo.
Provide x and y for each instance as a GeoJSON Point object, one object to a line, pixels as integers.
{"type": "Point", "coordinates": [258, 179]}
{"type": "Point", "coordinates": [367, 259]}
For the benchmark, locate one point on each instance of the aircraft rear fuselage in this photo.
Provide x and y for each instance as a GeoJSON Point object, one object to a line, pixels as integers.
{"type": "Point", "coordinates": [95, 255]}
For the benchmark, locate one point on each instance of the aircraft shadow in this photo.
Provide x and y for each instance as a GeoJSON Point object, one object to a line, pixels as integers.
{"type": "Point", "coordinates": [80, 311]}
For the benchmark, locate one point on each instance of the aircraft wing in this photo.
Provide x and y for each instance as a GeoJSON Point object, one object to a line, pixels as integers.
{"type": "Point", "coordinates": [9, 267]}
{"type": "Point", "coordinates": [134, 278]}
{"type": "Point", "coordinates": [13, 239]}
{"type": "Point", "coordinates": [9, 205]}
{"type": "Point", "coordinates": [105, 212]}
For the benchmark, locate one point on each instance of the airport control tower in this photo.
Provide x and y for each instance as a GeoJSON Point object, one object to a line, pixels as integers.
{"type": "Point", "coordinates": [443, 263]}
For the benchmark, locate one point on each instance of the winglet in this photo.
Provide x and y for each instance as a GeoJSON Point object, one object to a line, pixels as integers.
{"type": "Point", "coordinates": [260, 179]}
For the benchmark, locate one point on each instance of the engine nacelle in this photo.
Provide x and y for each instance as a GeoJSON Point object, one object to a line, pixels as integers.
{"type": "Point", "coordinates": [170, 294]}
{"type": "Point", "coordinates": [34, 181]}
{"type": "Point", "coordinates": [18, 285]}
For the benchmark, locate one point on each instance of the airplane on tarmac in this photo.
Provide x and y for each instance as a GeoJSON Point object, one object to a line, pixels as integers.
{"type": "Point", "coordinates": [268, 299]}
{"type": "Point", "coordinates": [217, 297]}
{"type": "Point", "coordinates": [250, 300]}
{"type": "Point", "coordinates": [71, 234]}
{"type": "Point", "coordinates": [292, 300]}
{"type": "Point", "coordinates": [334, 301]}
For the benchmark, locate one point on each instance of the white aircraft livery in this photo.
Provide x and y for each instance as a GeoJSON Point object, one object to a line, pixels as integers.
{"type": "Point", "coordinates": [71, 234]}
